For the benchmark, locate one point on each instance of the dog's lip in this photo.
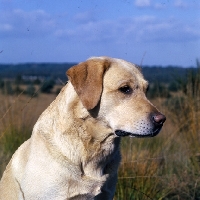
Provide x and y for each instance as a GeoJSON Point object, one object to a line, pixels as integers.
{"type": "Point", "coordinates": [121, 133]}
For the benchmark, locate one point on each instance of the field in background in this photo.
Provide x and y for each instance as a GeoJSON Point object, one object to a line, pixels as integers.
{"type": "Point", "coordinates": [164, 167]}
{"type": "Point", "coordinates": [18, 114]}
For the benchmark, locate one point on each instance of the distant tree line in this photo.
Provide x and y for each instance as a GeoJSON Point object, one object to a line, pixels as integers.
{"type": "Point", "coordinates": [163, 80]}
{"type": "Point", "coordinates": [16, 86]}
{"type": "Point", "coordinates": [54, 70]}
{"type": "Point", "coordinates": [58, 70]}
{"type": "Point", "coordinates": [178, 82]}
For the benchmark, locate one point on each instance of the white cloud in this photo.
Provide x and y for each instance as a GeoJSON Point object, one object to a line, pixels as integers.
{"type": "Point", "coordinates": [5, 27]}
{"type": "Point", "coordinates": [159, 5]}
{"type": "Point", "coordinates": [88, 31]}
{"type": "Point", "coordinates": [91, 32]}
{"type": "Point", "coordinates": [38, 23]}
{"type": "Point", "coordinates": [169, 30]}
{"type": "Point", "coordinates": [180, 4]}
{"type": "Point", "coordinates": [142, 3]}
{"type": "Point", "coordinates": [84, 17]}
{"type": "Point", "coordinates": [18, 23]}
{"type": "Point", "coordinates": [57, 37]}
{"type": "Point", "coordinates": [141, 29]}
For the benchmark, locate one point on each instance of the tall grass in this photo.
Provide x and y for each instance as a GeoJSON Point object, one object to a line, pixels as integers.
{"type": "Point", "coordinates": [18, 114]}
{"type": "Point", "coordinates": [15, 126]}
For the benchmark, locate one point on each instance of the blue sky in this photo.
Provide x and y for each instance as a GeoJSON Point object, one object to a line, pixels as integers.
{"type": "Point", "coordinates": [165, 32]}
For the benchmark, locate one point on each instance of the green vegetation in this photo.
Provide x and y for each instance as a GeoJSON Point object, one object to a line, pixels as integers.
{"type": "Point", "coordinates": [30, 90]}
{"type": "Point", "coordinates": [158, 90]}
{"type": "Point", "coordinates": [154, 74]}
{"type": "Point", "coordinates": [47, 86]}
{"type": "Point", "coordinates": [44, 70]}
{"type": "Point", "coordinates": [166, 167]}
{"type": "Point", "coordinates": [13, 137]}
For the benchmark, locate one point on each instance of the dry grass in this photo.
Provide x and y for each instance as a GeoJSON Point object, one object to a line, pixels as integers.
{"type": "Point", "coordinates": [18, 115]}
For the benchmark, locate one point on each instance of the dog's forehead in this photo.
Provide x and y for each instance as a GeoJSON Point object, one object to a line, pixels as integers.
{"type": "Point", "coordinates": [120, 64]}
{"type": "Point", "coordinates": [123, 70]}
{"type": "Point", "coordinates": [127, 66]}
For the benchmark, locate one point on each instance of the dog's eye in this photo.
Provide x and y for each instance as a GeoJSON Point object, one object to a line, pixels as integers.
{"type": "Point", "coordinates": [126, 89]}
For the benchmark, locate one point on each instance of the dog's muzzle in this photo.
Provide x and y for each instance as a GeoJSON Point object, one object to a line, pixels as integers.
{"type": "Point", "coordinates": [157, 119]}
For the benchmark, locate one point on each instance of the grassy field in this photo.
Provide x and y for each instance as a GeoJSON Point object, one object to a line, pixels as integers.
{"type": "Point", "coordinates": [164, 167]}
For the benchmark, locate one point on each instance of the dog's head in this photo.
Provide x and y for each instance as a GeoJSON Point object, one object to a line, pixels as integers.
{"type": "Point", "coordinates": [116, 89]}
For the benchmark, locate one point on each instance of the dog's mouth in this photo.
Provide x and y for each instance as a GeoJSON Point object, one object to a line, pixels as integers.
{"type": "Point", "coordinates": [121, 133]}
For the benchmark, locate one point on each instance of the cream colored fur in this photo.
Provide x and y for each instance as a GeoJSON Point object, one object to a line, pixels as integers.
{"type": "Point", "coordinates": [73, 152]}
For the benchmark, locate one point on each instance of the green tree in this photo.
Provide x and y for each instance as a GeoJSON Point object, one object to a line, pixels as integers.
{"type": "Point", "coordinates": [7, 89]}
{"type": "Point", "coordinates": [17, 89]}
{"type": "Point", "coordinates": [37, 81]}
{"type": "Point", "coordinates": [1, 84]}
{"type": "Point", "coordinates": [174, 86]}
{"type": "Point", "coordinates": [47, 86]}
{"type": "Point", "coordinates": [30, 90]}
{"type": "Point", "coordinates": [18, 79]}
{"type": "Point", "coordinates": [158, 90]}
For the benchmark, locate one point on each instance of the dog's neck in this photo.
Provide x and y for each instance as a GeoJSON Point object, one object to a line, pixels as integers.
{"type": "Point", "coordinates": [93, 138]}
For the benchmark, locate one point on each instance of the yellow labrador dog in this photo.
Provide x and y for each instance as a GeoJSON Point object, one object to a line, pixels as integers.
{"type": "Point", "coordinates": [73, 152]}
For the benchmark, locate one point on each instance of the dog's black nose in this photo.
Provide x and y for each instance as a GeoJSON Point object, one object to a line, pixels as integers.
{"type": "Point", "coordinates": [158, 119]}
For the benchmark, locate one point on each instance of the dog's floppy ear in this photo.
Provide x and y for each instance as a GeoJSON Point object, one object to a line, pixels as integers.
{"type": "Point", "coordinates": [87, 80]}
